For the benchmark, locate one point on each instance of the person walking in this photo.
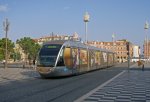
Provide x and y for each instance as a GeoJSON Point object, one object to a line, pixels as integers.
{"type": "Point", "coordinates": [34, 64]}
{"type": "Point", "coordinates": [143, 67]}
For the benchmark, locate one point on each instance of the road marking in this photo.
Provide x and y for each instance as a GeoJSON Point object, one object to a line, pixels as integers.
{"type": "Point", "coordinates": [81, 99]}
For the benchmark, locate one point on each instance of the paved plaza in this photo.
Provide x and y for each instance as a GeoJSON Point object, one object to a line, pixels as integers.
{"type": "Point", "coordinates": [13, 74]}
{"type": "Point", "coordinates": [127, 86]}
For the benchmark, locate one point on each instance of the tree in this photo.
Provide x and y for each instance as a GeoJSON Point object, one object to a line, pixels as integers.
{"type": "Point", "coordinates": [34, 51]}
{"type": "Point", "coordinates": [10, 46]}
{"type": "Point", "coordinates": [29, 47]}
{"type": "Point", "coordinates": [16, 56]}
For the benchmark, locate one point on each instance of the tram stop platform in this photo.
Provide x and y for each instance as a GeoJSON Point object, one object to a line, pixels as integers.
{"type": "Point", "coordinates": [128, 86]}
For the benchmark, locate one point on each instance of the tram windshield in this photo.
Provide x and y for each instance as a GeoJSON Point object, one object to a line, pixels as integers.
{"type": "Point", "coordinates": [48, 54]}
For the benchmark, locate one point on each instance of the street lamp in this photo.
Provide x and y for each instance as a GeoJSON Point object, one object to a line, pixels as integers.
{"type": "Point", "coordinates": [6, 28]}
{"type": "Point", "coordinates": [86, 19]}
{"type": "Point", "coordinates": [113, 37]}
{"type": "Point", "coordinates": [146, 27]}
{"type": "Point", "coordinates": [128, 53]}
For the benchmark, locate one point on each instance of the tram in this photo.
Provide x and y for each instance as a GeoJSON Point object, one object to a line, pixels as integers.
{"type": "Point", "coordinates": [64, 58]}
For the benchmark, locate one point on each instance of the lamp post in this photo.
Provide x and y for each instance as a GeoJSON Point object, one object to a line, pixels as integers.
{"type": "Point", "coordinates": [86, 19]}
{"type": "Point", "coordinates": [146, 27]}
{"type": "Point", "coordinates": [6, 28]}
{"type": "Point", "coordinates": [113, 48]}
{"type": "Point", "coordinates": [128, 53]}
{"type": "Point", "coordinates": [113, 37]}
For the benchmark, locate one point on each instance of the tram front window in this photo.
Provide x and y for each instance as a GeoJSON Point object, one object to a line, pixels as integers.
{"type": "Point", "coordinates": [48, 54]}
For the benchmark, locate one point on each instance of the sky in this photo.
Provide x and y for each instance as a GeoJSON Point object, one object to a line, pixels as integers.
{"type": "Point", "coordinates": [39, 18]}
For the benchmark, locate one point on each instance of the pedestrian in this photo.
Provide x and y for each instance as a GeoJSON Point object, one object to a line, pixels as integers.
{"type": "Point", "coordinates": [4, 63]}
{"type": "Point", "coordinates": [34, 64]}
{"type": "Point", "coordinates": [143, 67]}
{"type": "Point", "coordinates": [23, 65]}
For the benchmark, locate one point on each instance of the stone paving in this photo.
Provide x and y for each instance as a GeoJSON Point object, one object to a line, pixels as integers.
{"type": "Point", "coordinates": [12, 74]}
{"type": "Point", "coordinates": [128, 86]}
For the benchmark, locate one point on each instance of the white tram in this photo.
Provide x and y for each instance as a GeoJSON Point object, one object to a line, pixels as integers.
{"type": "Point", "coordinates": [63, 58]}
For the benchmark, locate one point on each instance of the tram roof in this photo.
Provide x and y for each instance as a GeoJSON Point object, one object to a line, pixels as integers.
{"type": "Point", "coordinates": [71, 43]}
{"type": "Point", "coordinates": [83, 45]}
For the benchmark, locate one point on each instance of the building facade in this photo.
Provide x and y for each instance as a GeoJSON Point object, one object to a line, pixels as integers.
{"type": "Point", "coordinates": [57, 37]}
{"type": "Point", "coordinates": [136, 53]}
{"type": "Point", "coordinates": [146, 50]}
{"type": "Point", "coordinates": [121, 47]}
{"type": "Point", "coordinates": [19, 50]}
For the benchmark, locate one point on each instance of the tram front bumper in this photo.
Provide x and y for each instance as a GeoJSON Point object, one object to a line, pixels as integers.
{"type": "Point", "coordinates": [45, 69]}
{"type": "Point", "coordinates": [53, 72]}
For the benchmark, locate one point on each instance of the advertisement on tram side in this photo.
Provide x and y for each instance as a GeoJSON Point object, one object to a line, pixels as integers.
{"type": "Point", "coordinates": [105, 56]}
{"type": "Point", "coordinates": [83, 57]}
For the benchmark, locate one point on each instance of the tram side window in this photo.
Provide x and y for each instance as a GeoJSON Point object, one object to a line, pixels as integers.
{"type": "Point", "coordinates": [61, 60]}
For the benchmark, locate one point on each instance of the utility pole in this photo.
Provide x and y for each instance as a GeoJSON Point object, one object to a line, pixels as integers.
{"type": "Point", "coordinates": [6, 28]}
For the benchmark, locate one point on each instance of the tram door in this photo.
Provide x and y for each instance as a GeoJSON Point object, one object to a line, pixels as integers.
{"type": "Point", "coordinates": [83, 60]}
{"type": "Point", "coordinates": [105, 59]}
{"type": "Point", "coordinates": [67, 57]}
{"type": "Point", "coordinates": [92, 59]}
{"type": "Point", "coordinates": [75, 59]}
{"type": "Point", "coordinates": [110, 59]}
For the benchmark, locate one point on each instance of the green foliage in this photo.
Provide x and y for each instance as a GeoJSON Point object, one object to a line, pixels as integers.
{"type": "Point", "coordinates": [1, 56]}
{"type": "Point", "coordinates": [29, 47]}
{"type": "Point", "coordinates": [16, 56]}
{"type": "Point", "coordinates": [10, 46]}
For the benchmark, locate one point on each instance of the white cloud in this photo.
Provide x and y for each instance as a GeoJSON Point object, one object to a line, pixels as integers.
{"type": "Point", "coordinates": [3, 8]}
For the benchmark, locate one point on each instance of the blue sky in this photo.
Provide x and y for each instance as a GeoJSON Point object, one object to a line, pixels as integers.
{"type": "Point", "coordinates": [37, 18]}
